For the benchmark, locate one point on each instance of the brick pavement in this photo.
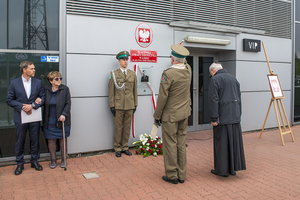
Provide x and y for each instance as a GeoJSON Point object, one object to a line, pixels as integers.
{"type": "Point", "coordinates": [273, 172]}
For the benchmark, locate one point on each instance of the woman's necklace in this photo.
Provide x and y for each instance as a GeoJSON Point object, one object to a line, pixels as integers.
{"type": "Point", "coordinates": [54, 89]}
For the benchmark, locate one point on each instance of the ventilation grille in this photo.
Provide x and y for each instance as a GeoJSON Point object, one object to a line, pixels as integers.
{"type": "Point", "coordinates": [271, 16]}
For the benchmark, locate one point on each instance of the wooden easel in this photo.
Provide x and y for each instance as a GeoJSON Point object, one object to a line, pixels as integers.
{"type": "Point", "coordinates": [278, 100]}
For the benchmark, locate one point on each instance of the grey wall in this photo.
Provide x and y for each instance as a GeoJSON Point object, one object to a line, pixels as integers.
{"type": "Point", "coordinates": [93, 42]}
{"type": "Point", "coordinates": [180, 34]}
{"type": "Point", "coordinates": [252, 70]}
{"type": "Point", "coordinates": [90, 58]}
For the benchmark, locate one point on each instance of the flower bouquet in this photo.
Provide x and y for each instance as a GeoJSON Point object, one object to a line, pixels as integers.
{"type": "Point", "coordinates": [147, 146]}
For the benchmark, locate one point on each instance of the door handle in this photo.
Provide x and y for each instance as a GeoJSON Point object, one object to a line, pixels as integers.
{"type": "Point", "coordinates": [195, 89]}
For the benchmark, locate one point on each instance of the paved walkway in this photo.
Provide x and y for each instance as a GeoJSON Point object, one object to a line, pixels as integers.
{"type": "Point", "coordinates": [273, 172]}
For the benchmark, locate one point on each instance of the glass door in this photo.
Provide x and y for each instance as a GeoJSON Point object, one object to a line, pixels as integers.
{"type": "Point", "coordinates": [199, 118]}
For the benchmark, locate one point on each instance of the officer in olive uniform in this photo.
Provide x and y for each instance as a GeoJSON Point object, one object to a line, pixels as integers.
{"type": "Point", "coordinates": [122, 92]}
{"type": "Point", "coordinates": [172, 110]}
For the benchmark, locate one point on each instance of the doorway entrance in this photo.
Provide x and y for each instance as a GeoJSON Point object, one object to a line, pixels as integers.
{"type": "Point", "coordinates": [199, 118]}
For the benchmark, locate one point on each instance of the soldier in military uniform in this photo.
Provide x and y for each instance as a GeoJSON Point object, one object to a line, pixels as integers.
{"type": "Point", "coordinates": [172, 110]}
{"type": "Point", "coordinates": [122, 92]}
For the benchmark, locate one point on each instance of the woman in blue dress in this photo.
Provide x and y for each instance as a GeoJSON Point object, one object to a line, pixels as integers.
{"type": "Point", "coordinates": [56, 110]}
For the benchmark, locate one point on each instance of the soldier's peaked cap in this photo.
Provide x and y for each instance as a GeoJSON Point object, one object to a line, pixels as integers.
{"type": "Point", "coordinates": [122, 54]}
{"type": "Point", "coordinates": [179, 51]}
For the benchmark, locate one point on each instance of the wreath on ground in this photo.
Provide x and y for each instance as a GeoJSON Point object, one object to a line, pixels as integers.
{"type": "Point", "coordinates": [147, 145]}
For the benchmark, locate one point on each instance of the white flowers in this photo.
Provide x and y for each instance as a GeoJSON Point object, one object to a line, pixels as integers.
{"type": "Point", "coordinates": [147, 146]}
{"type": "Point", "coordinates": [143, 138]}
{"type": "Point", "coordinates": [157, 138]}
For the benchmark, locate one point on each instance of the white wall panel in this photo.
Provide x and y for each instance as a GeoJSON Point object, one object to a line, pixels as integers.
{"type": "Point", "coordinates": [278, 49]}
{"type": "Point", "coordinates": [180, 35]}
{"type": "Point", "coordinates": [253, 75]}
{"type": "Point", "coordinates": [255, 107]}
{"type": "Point", "coordinates": [96, 35]}
{"type": "Point", "coordinates": [87, 75]}
{"type": "Point", "coordinates": [91, 125]}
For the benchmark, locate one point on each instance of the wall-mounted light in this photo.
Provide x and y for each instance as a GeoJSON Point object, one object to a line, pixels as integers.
{"type": "Point", "coordinates": [215, 27]}
{"type": "Point", "coordinates": [206, 40]}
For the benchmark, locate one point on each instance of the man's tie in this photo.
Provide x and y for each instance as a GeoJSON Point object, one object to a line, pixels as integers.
{"type": "Point", "coordinates": [125, 74]}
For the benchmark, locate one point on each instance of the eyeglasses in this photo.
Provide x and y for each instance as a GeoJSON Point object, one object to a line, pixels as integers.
{"type": "Point", "coordinates": [58, 79]}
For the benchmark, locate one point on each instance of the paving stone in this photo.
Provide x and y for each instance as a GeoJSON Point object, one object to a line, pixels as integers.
{"type": "Point", "coordinates": [273, 172]}
{"type": "Point", "coordinates": [90, 175]}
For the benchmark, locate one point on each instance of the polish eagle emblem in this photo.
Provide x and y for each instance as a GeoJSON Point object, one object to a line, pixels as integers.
{"type": "Point", "coordinates": [144, 35]}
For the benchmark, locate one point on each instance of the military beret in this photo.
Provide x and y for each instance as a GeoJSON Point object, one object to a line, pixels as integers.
{"type": "Point", "coordinates": [122, 54]}
{"type": "Point", "coordinates": [179, 51]}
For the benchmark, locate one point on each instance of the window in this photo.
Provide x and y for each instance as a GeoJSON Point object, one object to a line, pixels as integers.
{"type": "Point", "coordinates": [297, 7]}
{"type": "Point", "coordinates": [297, 73]}
{"type": "Point", "coordinates": [9, 70]}
{"type": "Point", "coordinates": [29, 24]}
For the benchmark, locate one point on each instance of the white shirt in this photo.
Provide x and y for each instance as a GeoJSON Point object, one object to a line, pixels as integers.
{"type": "Point", "coordinates": [27, 86]}
{"type": "Point", "coordinates": [123, 70]}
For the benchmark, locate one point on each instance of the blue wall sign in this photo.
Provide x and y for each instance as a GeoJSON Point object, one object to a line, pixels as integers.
{"type": "Point", "coordinates": [49, 58]}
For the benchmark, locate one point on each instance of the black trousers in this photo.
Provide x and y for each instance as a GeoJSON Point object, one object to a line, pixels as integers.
{"type": "Point", "coordinates": [34, 134]}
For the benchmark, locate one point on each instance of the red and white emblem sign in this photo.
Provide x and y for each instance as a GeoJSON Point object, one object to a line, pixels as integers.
{"type": "Point", "coordinates": [275, 85]}
{"type": "Point", "coordinates": [143, 35]}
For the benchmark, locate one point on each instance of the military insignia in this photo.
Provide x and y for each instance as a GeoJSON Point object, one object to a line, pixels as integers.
{"type": "Point", "coordinates": [163, 78]}
{"type": "Point", "coordinates": [109, 76]}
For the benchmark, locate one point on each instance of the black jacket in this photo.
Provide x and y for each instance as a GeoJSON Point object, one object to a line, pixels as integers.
{"type": "Point", "coordinates": [224, 98]}
{"type": "Point", "coordinates": [63, 105]}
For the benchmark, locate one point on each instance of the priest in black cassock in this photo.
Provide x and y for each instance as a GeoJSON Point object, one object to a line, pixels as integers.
{"type": "Point", "coordinates": [225, 115]}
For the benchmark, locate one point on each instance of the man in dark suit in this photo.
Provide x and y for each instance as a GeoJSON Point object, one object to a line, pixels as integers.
{"type": "Point", "coordinates": [225, 110]}
{"type": "Point", "coordinates": [24, 94]}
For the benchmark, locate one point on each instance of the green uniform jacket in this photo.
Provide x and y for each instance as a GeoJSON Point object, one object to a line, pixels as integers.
{"type": "Point", "coordinates": [123, 99]}
{"type": "Point", "coordinates": [174, 99]}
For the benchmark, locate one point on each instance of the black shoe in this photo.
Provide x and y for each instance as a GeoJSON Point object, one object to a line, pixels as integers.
{"type": "Point", "coordinates": [118, 154]}
{"type": "Point", "coordinates": [37, 166]}
{"type": "Point", "coordinates": [128, 153]}
{"type": "Point", "coordinates": [215, 173]}
{"type": "Point", "coordinates": [19, 169]}
{"type": "Point", "coordinates": [174, 181]}
{"type": "Point", "coordinates": [234, 173]}
{"type": "Point", "coordinates": [180, 181]}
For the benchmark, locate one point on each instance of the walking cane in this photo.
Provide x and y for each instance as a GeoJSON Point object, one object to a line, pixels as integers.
{"type": "Point", "coordinates": [64, 136]}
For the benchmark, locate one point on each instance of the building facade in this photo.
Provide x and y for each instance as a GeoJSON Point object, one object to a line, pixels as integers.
{"type": "Point", "coordinates": [81, 38]}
